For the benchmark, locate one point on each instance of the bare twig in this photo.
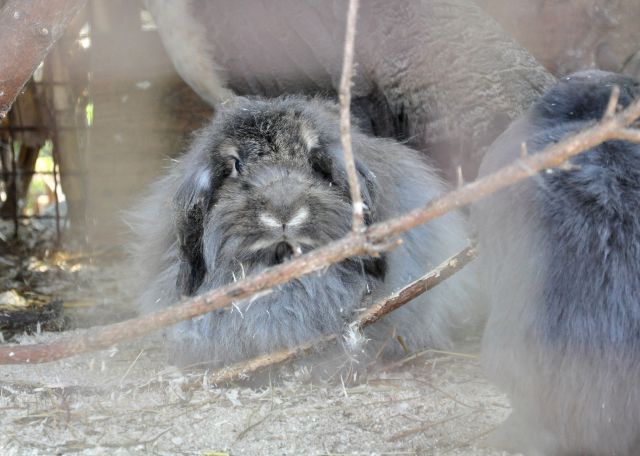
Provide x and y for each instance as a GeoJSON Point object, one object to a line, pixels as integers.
{"type": "Point", "coordinates": [28, 30]}
{"type": "Point", "coordinates": [406, 433]}
{"type": "Point", "coordinates": [243, 369]}
{"type": "Point", "coordinates": [629, 134]}
{"type": "Point", "coordinates": [345, 118]}
{"type": "Point", "coordinates": [612, 105]}
{"type": "Point", "coordinates": [365, 242]}
{"type": "Point", "coordinates": [442, 272]}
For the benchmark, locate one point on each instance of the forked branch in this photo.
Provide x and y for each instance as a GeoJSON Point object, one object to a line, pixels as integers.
{"type": "Point", "coordinates": [374, 313]}
{"type": "Point", "coordinates": [365, 242]}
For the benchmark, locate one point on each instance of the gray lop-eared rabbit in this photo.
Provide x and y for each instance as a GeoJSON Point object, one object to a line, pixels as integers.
{"type": "Point", "coordinates": [560, 261]}
{"type": "Point", "coordinates": [264, 181]}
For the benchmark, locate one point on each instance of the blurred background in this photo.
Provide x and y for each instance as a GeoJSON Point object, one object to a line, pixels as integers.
{"type": "Point", "coordinates": [93, 125]}
{"type": "Point", "coordinates": [106, 108]}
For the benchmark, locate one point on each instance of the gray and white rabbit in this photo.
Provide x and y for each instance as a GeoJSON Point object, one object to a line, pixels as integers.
{"type": "Point", "coordinates": [264, 181]}
{"type": "Point", "coordinates": [560, 261]}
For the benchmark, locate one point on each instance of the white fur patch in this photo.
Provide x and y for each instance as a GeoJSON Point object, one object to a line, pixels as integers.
{"type": "Point", "coordinates": [309, 137]}
{"type": "Point", "coordinates": [269, 221]}
{"type": "Point", "coordinates": [299, 217]}
{"type": "Point", "coordinates": [354, 339]}
{"type": "Point", "coordinates": [203, 179]}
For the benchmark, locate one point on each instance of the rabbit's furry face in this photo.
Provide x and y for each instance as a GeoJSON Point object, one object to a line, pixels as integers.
{"type": "Point", "coordinates": [273, 186]}
{"type": "Point", "coordinates": [265, 181]}
{"type": "Point", "coordinates": [283, 212]}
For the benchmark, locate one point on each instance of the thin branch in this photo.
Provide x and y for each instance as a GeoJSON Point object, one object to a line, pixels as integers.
{"type": "Point", "coordinates": [368, 241]}
{"type": "Point", "coordinates": [441, 273]}
{"type": "Point", "coordinates": [28, 30]}
{"type": "Point", "coordinates": [612, 105]}
{"type": "Point", "coordinates": [374, 313]}
{"type": "Point", "coordinates": [345, 118]}
{"type": "Point", "coordinates": [243, 369]}
{"type": "Point", "coordinates": [629, 134]}
{"type": "Point", "coordinates": [420, 429]}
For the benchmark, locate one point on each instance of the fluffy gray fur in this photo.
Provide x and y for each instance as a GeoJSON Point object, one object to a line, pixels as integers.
{"type": "Point", "coordinates": [216, 216]}
{"type": "Point", "coordinates": [560, 259]}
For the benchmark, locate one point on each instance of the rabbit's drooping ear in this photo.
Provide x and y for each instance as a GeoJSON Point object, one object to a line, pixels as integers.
{"type": "Point", "coordinates": [192, 202]}
{"type": "Point", "coordinates": [373, 266]}
{"type": "Point", "coordinates": [330, 163]}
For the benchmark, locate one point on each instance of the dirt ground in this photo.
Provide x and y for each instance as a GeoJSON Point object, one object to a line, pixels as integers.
{"type": "Point", "coordinates": [128, 400]}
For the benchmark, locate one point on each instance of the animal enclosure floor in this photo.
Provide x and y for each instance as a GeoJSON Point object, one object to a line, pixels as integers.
{"type": "Point", "coordinates": [128, 400]}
